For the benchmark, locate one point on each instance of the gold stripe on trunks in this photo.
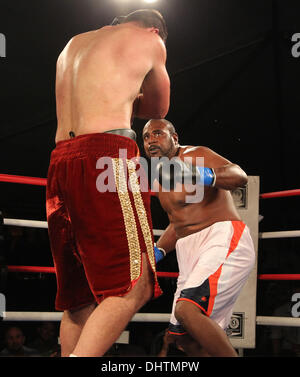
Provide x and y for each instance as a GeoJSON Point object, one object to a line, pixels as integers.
{"type": "Point", "coordinates": [129, 219]}
{"type": "Point", "coordinates": [141, 212]}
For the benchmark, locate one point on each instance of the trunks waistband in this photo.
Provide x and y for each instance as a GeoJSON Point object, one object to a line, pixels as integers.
{"type": "Point", "coordinates": [127, 132]}
{"type": "Point", "coordinates": [100, 143]}
{"type": "Point", "coordinates": [207, 228]}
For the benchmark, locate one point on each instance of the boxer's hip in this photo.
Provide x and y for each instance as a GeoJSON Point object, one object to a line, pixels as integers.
{"type": "Point", "coordinates": [108, 143]}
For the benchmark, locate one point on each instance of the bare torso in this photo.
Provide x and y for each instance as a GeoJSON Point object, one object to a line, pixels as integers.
{"type": "Point", "coordinates": [186, 217]}
{"type": "Point", "coordinates": [99, 75]}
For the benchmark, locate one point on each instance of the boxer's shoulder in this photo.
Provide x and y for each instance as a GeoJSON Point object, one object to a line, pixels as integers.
{"type": "Point", "coordinates": [193, 151]}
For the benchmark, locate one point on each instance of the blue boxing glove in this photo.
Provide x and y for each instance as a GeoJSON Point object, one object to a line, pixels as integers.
{"type": "Point", "coordinates": [205, 176]}
{"type": "Point", "coordinates": [159, 253]}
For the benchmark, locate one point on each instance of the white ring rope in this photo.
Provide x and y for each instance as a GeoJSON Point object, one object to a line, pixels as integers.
{"type": "Point", "coordinates": [26, 223]}
{"type": "Point", "coordinates": [278, 321]}
{"type": "Point", "coordinates": [283, 234]}
{"type": "Point", "coordinates": [156, 232]}
{"type": "Point", "coordinates": [140, 317]}
{"type": "Point", "coordinates": [56, 316]}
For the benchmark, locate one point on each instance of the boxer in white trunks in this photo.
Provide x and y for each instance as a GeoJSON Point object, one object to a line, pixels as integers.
{"type": "Point", "coordinates": [214, 248]}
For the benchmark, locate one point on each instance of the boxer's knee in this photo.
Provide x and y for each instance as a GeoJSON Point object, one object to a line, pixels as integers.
{"type": "Point", "coordinates": [184, 310]}
{"type": "Point", "coordinates": [80, 315]}
{"type": "Point", "coordinates": [180, 311]}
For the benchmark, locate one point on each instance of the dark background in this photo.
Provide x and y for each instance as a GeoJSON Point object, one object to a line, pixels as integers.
{"type": "Point", "coordinates": [234, 87]}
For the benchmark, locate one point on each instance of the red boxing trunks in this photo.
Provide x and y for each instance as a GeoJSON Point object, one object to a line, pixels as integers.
{"type": "Point", "coordinates": [99, 219]}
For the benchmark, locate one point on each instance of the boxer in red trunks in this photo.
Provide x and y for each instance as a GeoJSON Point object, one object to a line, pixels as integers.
{"type": "Point", "coordinates": [101, 239]}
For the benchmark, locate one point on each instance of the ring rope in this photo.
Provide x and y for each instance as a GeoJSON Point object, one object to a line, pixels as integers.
{"type": "Point", "coordinates": [280, 234]}
{"type": "Point", "coordinates": [26, 223]}
{"type": "Point", "coordinates": [51, 270]}
{"type": "Point", "coordinates": [22, 179]}
{"type": "Point", "coordinates": [138, 317]}
{"type": "Point", "coordinates": [43, 182]}
{"type": "Point", "coordinates": [156, 232]}
{"type": "Point", "coordinates": [280, 194]}
{"type": "Point", "coordinates": [56, 316]}
{"type": "Point", "coordinates": [278, 276]}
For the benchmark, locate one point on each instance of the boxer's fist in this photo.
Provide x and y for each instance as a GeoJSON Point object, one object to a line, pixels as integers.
{"type": "Point", "coordinates": [169, 172]}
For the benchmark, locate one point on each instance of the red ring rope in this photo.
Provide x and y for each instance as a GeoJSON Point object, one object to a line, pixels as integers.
{"type": "Point", "coordinates": [31, 269]}
{"type": "Point", "coordinates": [50, 270]}
{"type": "Point", "coordinates": [280, 194]}
{"type": "Point", "coordinates": [279, 277]}
{"type": "Point", "coordinates": [43, 182]}
{"type": "Point", "coordinates": [22, 179]}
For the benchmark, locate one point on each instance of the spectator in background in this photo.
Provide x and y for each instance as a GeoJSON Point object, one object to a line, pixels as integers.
{"type": "Point", "coordinates": [285, 339]}
{"type": "Point", "coordinates": [14, 344]}
{"type": "Point", "coordinates": [46, 342]}
{"type": "Point", "coordinates": [164, 345]}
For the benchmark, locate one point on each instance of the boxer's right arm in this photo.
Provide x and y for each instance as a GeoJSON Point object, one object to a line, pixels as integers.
{"type": "Point", "coordinates": [154, 101]}
{"type": "Point", "coordinates": [165, 244]}
{"type": "Point", "coordinates": [167, 240]}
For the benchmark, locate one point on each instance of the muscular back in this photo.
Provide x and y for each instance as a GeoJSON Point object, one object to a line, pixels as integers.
{"type": "Point", "coordinates": [99, 75]}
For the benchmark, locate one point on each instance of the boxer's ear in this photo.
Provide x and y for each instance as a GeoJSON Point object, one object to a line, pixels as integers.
{"type": "Point", "coordinates": [154, 30]}
{"type": "Point", "coordinates": [175, 138]}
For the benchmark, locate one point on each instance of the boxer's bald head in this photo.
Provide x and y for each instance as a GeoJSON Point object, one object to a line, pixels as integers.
{"type": "Point", "coordinates": [160, 138]}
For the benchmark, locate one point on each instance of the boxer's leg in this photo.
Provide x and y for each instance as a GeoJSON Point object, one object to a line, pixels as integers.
{"type": "Point", "coordinates": [71, 326]}
{"type": "Point", "coordinates": [190, 346]}
{"type": "Point", "coordinates": [204, 330]}
{"type": "Point", "coordinates": [111, 317]}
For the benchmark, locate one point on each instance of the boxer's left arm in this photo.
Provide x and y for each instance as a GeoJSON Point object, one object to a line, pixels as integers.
{"type": "Point", "coordinates": [228, 176]}
{"type": "Point", "coordinates": [154, 99]}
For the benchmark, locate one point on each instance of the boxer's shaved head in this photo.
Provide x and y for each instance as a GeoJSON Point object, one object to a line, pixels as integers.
{"type": "Point", "coordinates": [148, 18]}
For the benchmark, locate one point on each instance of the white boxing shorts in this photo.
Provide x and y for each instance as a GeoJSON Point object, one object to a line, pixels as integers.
{"type": "Point", "coordinates": [214, 264]}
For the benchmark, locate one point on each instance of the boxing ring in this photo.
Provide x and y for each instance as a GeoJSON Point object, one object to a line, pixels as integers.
{"type": "Point", "coordinates": [242, 329]}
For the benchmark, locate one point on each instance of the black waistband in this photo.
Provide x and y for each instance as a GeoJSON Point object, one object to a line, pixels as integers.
{"type": "Point", "coordinates": [127, 132]}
